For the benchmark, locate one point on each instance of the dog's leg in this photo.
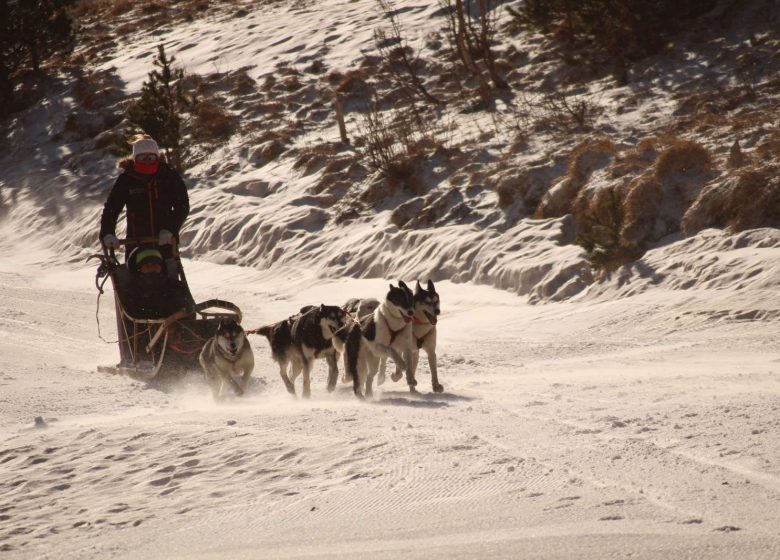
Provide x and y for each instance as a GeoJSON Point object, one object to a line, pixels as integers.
{"type": "Point", "coordinates": [382, 350]}
{"type": "Point", "coordinates": [245, 378]}
{"type": "Point", "coordinates": [437, 387]}
{"type": "Point", "coordinates": [283, 374]}
{"type": "Point", "coordinates": [333, 370]}
{"type": "Point", "coordinates": [353, 364]}
{"type": "Point", "coordinates": [398, 373]}
{"type": "Point", "coordinates": [307, 363]}
{"type": "Point", "coordinates": [371, 370]}
{"type": "Point", "coordinates": [411, 366]}
{"type": "Point", "coordinates": [227, 379]}
{"type": "Point", "coordinates": [347, 377]}
{"type": "Point", "coordinates": [382, 367]}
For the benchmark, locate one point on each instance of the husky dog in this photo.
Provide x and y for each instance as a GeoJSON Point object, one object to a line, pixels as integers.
{"type": "Point", "coordinates": [312, 335]}
{"type": "Point", "coordinates": [283, 351]}
{"type": "Point", "coordinates": [287, 352]}
{"type": "Point", "coordinates": [426, 315]}
{"type": "Point", "coordinates": [227, 357]}
{"type": "Point", "coordinates": [386, 332]}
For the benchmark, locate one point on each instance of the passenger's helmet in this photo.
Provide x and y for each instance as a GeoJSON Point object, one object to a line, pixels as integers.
{"type": "Point", "coordinates": [146, 261]}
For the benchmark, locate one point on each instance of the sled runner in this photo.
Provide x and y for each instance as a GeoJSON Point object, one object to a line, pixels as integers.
{"type": "Point", "coordinates": [164, 336]}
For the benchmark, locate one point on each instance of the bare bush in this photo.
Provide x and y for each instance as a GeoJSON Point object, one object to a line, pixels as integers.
{"type": "Point", "coordinates": [471, 41]}
{"type": "Point", "coordinates": [595, 32]}
{"type": "Point", "coordinates": [600, 231]}
{"type": "Point", "coordinates": [588, 156]}
{"type": "Point", "coordinates": [642, 207]}
{"type": "Point", "coordinates": [401, 59]}
{"type": "Point", "coordinates": [684, 157]}
{"type": "Point", "coordinates": [565, 111]}
{"type": "Point", "coordinates": [212, 123]}
{"type": "Point", "coordinates": [751, 199]}
{"type": "Point", "coordinates": [394, 141]}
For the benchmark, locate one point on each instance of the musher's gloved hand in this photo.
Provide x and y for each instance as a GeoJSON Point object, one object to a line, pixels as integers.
{"type": "Point", "coordinates": [110, 241]}
{"type": "Point", "coordinates": [165, 237]}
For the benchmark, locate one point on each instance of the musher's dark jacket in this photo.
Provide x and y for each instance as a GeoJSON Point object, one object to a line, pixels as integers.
{"type": "Point", "coordinates": [153, 202]}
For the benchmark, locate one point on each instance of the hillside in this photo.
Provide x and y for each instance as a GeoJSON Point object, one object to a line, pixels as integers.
{"type": "Point", "coordinates": [495, 191]}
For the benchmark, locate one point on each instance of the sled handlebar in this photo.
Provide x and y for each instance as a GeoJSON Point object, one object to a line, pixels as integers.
{"type": "Point", "coordinates": [142, 241]}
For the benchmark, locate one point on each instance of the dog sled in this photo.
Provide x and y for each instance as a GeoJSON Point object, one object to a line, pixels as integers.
{"type": "Point", "coordinates": [158, 340]}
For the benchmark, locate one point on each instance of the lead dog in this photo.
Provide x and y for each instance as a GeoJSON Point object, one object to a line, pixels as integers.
{"type": "Point", "coordinates": [227, 359]}
{"type": "Point", "coordinates": [426, 316]}
{"type": "Point", "coordinates": [386, 332]}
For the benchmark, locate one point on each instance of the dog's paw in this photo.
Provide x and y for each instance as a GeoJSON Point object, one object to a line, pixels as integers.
{"type": "Point", "coordinates": [396, 376]}
{"type": "Point", "coordinates": [438, 388]}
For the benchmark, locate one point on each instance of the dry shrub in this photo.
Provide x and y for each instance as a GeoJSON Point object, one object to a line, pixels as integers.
{"type": "Point", "coordinates": [736, 157]}
{"type": "Point", "coordinates": [558, 200]}
{"type": "Point", "coordinates": [684, 157]}
{"type": "Point", "coordinates": [95, 90]}
{"type": "Point", "coordinates": [751, 199]}
{"type": "Point", "coordinates": [600, 230]}
{"type": "Point", "coordinates": [291, 84]}
{"type": "Point", "coordinates": [243, 83]}
{"type": "Point", "coordinates": [354, 81]}
{"type": "Point", "coordinates": [588, 156]}
{"type": "Point", "coordinates": [642, 206]}
{"type": "Point", "coordinates": [211, 122]}
{"type": "Point", "coordinates": [314, 157]}
{"type": "Point", "coordinates": [769, 148]}
{"type": "Point", "coordinates": [267, 152]}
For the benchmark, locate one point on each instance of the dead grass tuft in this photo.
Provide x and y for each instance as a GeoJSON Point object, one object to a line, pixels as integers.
{"type": "Point", "coordinates": [589, 155]}
{"type": "Point", "coordinates": [684, 157]}
{"type": "Point", "coordinates": [751, 199]}
{"type": "Point", "coordinates": [211, 122]}
{"type": "Point", "coordinates": [642, 206]}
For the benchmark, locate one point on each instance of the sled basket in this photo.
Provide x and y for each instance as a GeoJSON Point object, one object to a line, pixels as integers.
{"type": "Point", "coordinates": [160, 346]}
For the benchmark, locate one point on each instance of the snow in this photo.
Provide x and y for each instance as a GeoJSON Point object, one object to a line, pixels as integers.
{"type": "Point", "coordinates": [636, 416]}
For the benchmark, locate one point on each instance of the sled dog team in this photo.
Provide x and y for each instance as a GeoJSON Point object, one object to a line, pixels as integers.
{"type": "Point", "coordinates": [365, 332]}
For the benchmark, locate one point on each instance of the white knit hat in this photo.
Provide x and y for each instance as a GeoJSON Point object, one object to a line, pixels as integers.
{"type": "Point", "coordinates": [145, 146]}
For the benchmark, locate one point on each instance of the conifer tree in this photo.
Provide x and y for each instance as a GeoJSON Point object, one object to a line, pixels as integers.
{"type": "Point", "coordinates": [163, 109]}
{"type": "Point", "coordinates": [30, 32]}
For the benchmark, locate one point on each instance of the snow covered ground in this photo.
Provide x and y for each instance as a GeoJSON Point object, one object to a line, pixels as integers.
{"type": "Point", "coordinates": [636, 418]}
{"type": "Point", "coordinates": [643, 426]}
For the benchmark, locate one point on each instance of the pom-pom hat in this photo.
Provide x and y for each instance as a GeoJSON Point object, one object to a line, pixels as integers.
{"type": "Point", "coordinates": [145, 146]}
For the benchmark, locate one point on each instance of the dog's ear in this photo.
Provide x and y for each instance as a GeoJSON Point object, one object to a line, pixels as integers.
{"type": "Point", "coordinates": [322, 308]}
{"type": "Point", "coordinates": [430, 286]}
{"type": "Point", "coordinates": [417, 288]}
{"type": "Point", "coordinates": [403, 286]}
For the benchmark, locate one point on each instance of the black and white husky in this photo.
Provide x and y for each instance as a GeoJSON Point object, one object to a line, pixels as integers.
{"type": "Point", "coordinates": [298, 340]}
{"type": "Point", "coordinates": [312, 334]}
{"type": "Point", "coordinates": [284, 353]}
{"type": "Point", "coordinates": [426, 316]}
{"type": "Point", "coordinates": [227, 359]}
{"type": "Point", "coordinates": [387, 332]}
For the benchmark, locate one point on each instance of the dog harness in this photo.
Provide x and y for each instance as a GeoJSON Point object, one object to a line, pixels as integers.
{"type": "Point", "coordinates": [393, 333]}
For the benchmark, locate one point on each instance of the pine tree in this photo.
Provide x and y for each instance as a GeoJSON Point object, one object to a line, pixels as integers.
{"type": "Point", "coordinates": [30, 32]}
{"type": "Point", "coordinates": [163, 109]}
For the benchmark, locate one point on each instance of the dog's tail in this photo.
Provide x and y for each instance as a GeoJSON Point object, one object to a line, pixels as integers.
{"type": "Point", "coordinates": [264, 331]}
